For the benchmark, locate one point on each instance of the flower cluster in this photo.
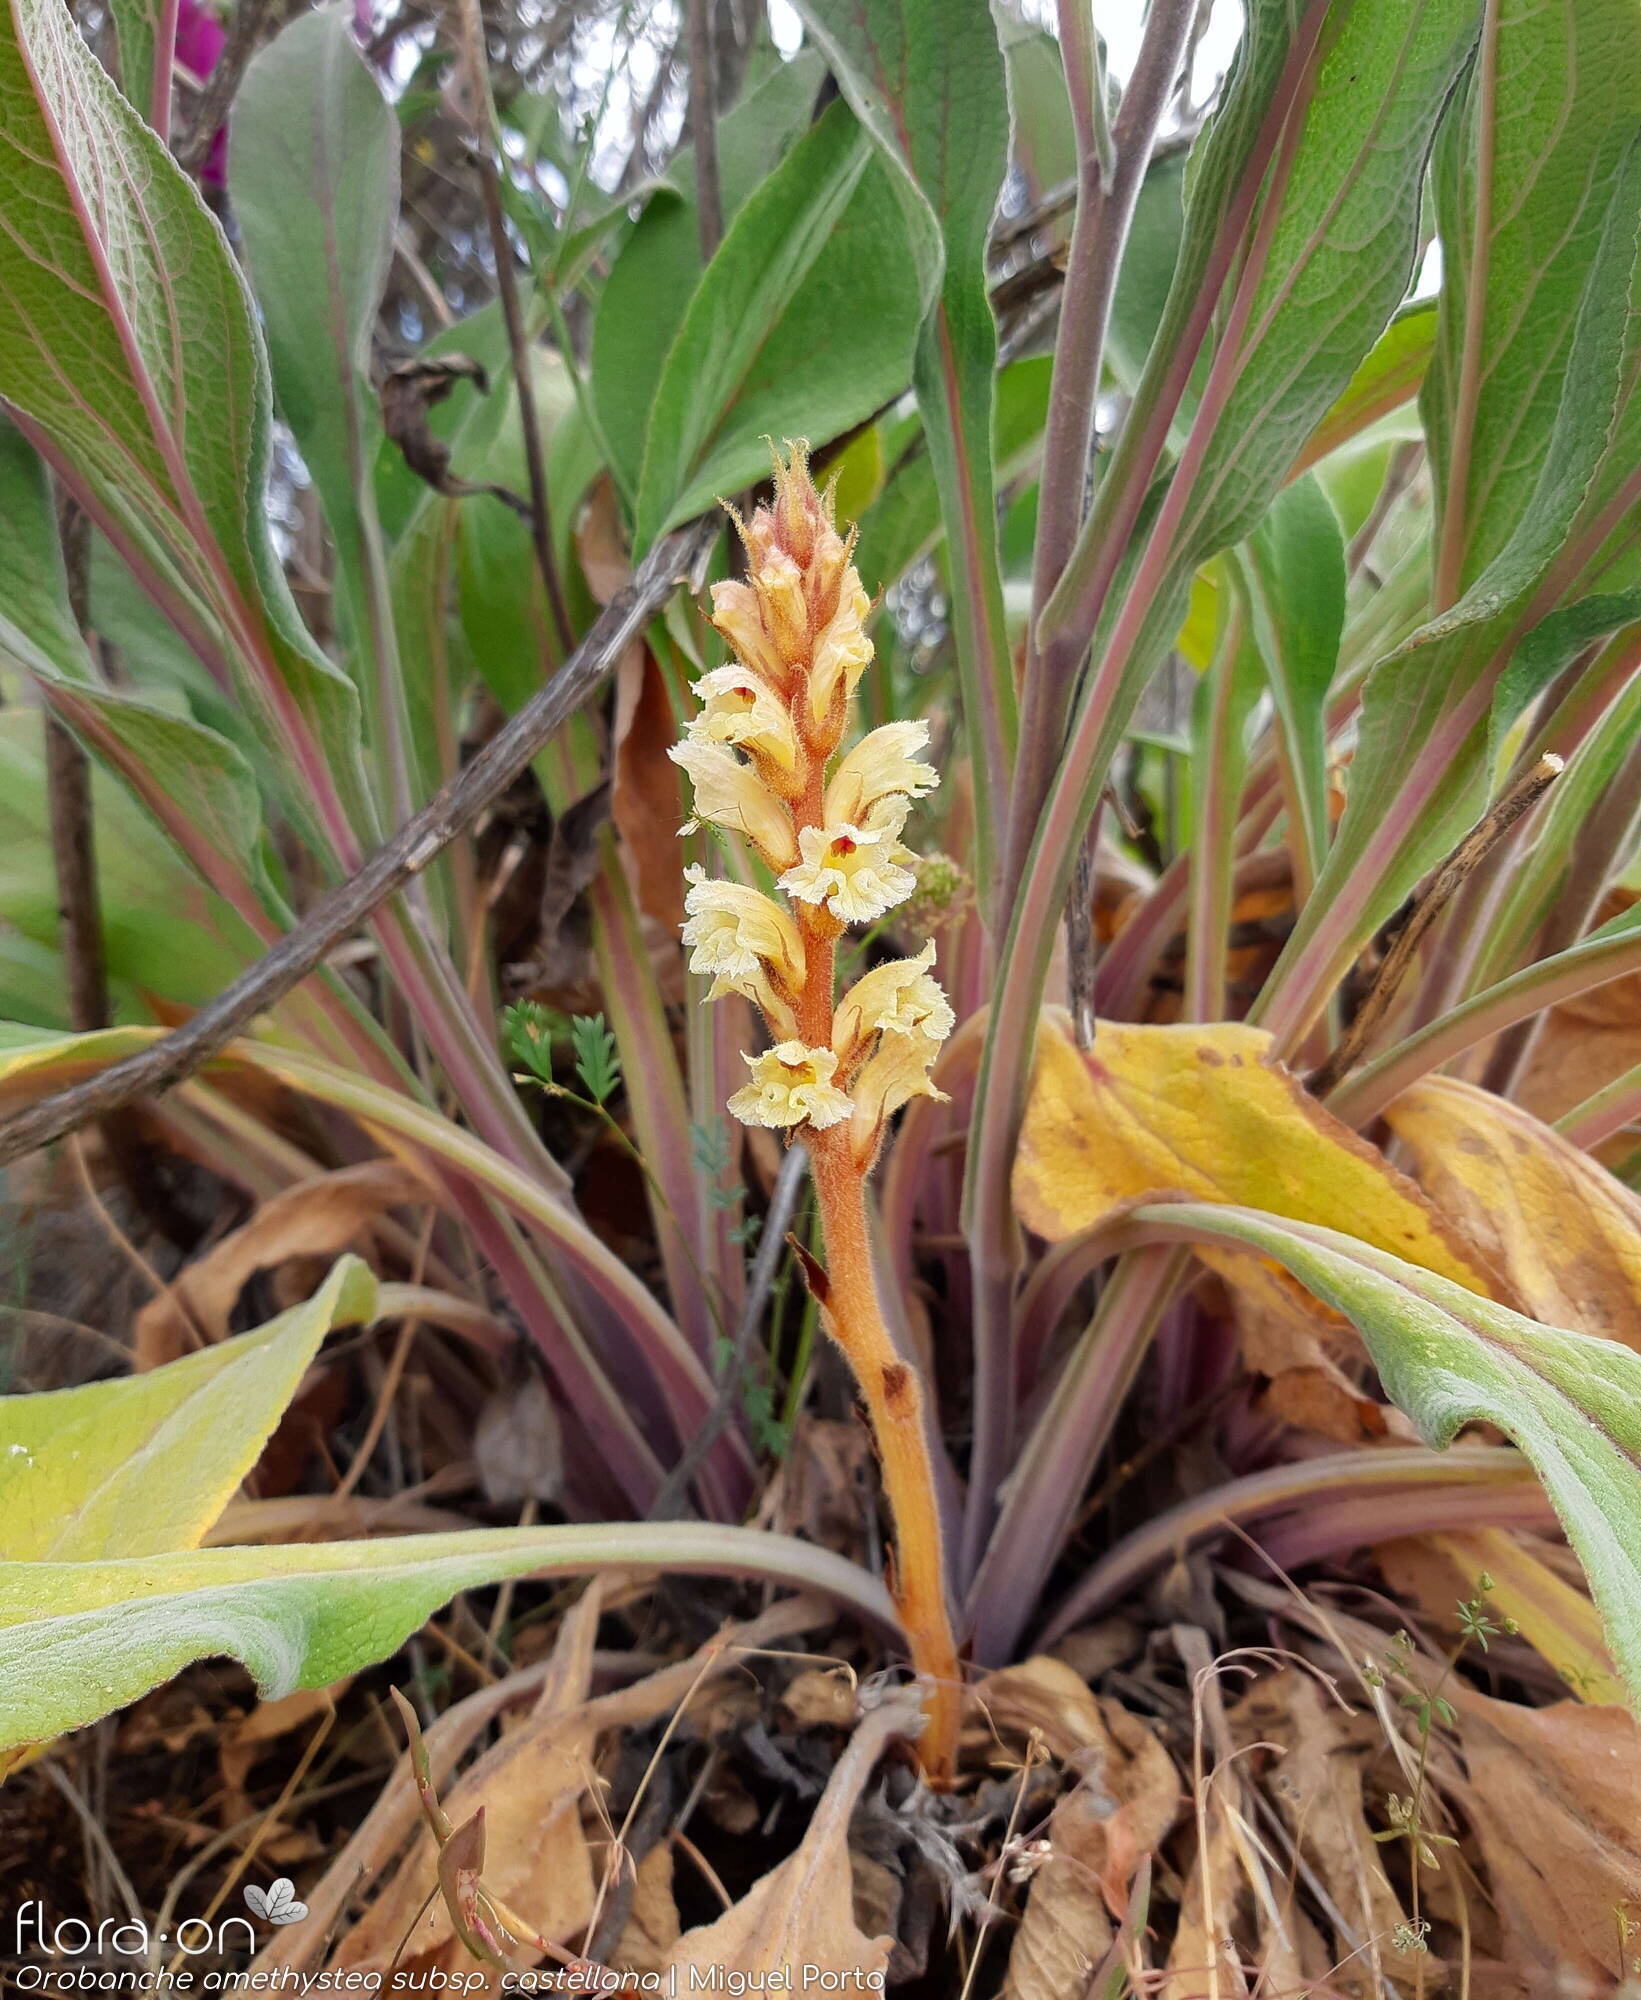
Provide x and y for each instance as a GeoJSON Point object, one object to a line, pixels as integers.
{"type": "Point", "coordinates": [763, 757]}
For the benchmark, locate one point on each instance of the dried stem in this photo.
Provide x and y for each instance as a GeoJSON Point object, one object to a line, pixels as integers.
{"type": "Point", "coordinates": [245, 26]}
{"type": "Point", "coordinates": [1456, 870]}
{"type": "Point", "coordinates": [481, 126]}
{"type": "Point", "coordinates": [73, 840]}
{"type": "Point", "coordinates": [703, 128]}
{"type": "Point", "coordinates": [73, 852]}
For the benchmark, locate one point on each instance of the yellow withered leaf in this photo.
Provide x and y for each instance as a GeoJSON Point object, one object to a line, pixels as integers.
{"type": "Point", "coordinates": [1556, 1225]}
{"type": "Point", "coordinates": [1208, 1111]}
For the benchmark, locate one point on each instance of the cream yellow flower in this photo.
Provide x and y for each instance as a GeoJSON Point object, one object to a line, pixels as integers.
{"type": "Point", "coordinates": [896, 1073]}
{"type": "Point", "coordinates": [842, 650]}
{"type": "Point", "coordinates": [779, 582]}
{"type": "Point", "coordinates": [894, 999]}
{"type": "Point", "coordinates": [791, 1085]}
{"type": "Point", "coordinates": [744, 943]}
{"type": "Point", "coordinates": [729, 793]}
{"type": "Point", "coordinates": [740, 709]}
{"type": "Point", "coordinates": [880, 766]}
{"type": "Point", "coordinates": [852, 871]}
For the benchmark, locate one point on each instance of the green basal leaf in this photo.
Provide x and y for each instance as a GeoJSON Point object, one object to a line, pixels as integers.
{"type": "Point", "coordinates": [129, 350]}
{"type": "Point", "coordinates": [164, 932]}
{"type": "Point", "coordinates": [648, 291]}
{"type": "Point", "coordinates": [137, 27]}
{"type": "Point", "coordinates": [927, 80]}
{"type": "Point", "coordinates": [142, 1465]}
{"type": "Point", "coordinates": [905, 521]}
{"type": "Point", "coordinates": [1551, 114]}
{"type": "Point", "coordinates": [1449, 1358]}
{"type": "Point", "coordinates": [1147, 271]}
{"type": "Point", "coordinates": [1039, 107]}
{"type": "Point", "coordinates": [1426, 708]}
{"type": "Point", "coordinates": [1293, 577]}
{"type": "Point", "coordinates": [1340, 254]}
{"type": "Point", "coordinates": [802, 325]}
{"type": "Point", "coordinates": [79, 1639]}
{"type": "Point", "coordinates": [1390, 376]}
{"type": "Point", "coordinates": [106, 1489]}
{"type": "Point", "coordinates": [313, 167]}
{"type": "Point", "coordinates": [163, 752]}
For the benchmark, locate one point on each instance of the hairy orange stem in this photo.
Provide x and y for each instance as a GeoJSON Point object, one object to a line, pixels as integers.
{"type": "Point", "coordinates": [894, 1403]}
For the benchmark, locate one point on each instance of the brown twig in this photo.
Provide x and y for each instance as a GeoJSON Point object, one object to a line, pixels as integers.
{"type": "Point", "coordinates": [73, 840]}
{"type": "Point", "coordinates": [450, 812]}
{"type": "Point", "coordinates": [481, 117]}
{"type": "Point", "coordinates": [73, 853]}
{"type": "Point", "coordinates": [1457, 869]}
{"type": "Point", "coordinates": [703, 129]}
{"type": "Point", "coordinates": [211, 108]}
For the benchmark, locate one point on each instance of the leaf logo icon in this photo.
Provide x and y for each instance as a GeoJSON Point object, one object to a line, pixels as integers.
{"type": "Point", "coordinates": [277, 1904]}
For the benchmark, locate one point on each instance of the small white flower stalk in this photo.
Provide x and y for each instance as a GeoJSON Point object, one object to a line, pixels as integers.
{"type": "Point", "coordinates": [763, 756]}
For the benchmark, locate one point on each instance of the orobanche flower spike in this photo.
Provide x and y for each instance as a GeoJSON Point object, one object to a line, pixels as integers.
{"type": "Point", "coordinates": [763, 756]}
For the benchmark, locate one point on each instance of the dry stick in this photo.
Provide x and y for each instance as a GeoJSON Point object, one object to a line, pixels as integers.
{"type": "Point", "coordinates": [481, 131]}
{"type": "Point", "coordinates": [1457, 869]}
{"type": "Point", "coordinates": [449, 813]}
{"type": "Point", "coordinates": [73, 841]}
{"type": "Point", "coordinates": [703, 130]}
{"type": "Point", "coordinates": [211, 108]}
{"type": "Point", "coordinates": [669, 1502]}
{"type": "Point", "coordinates": [73, 853]}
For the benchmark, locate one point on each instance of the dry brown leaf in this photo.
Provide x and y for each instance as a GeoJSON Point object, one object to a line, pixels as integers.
{"type": "Point", "coordinates": [1065, 1931]}
{"type": "Point", "coordinates": [313, 1517]}
{"type": "Point", "coordinates": [1203, 1960]}
{"type": "Point", "coordinates": [801, 1914]}
{"type": "Point", "coordinates": [518, 1441]}
{"type": "Point", "coordinates": [1585, 1042]}
{"type": "Point", "coordinates": [529, 1787]}
{"type": "Point", "coordinates": [241, 1742]}
{"type": "Point", "coordinates": [1316, 1782]}
{"type": "Point", "coordinates": [1092, 1651]}
{"type": "Point", "coordinates": [1133, 1776]}
{"type": "Point", "coordinates": [396, 1817]}
{"type": "Point", "coordinates": [317, 1217]}
{"type": "Point", "coordinates": [647, 801]}
{"type": "Point", "coordinates": [821, 1698]}
{"type": "Point", "coordinates": [1047, 1696]}
{"type": "Point", "coordinates": [1290, 1341]}
{"type": "Point", "coordinates": [1555, 1799]}
{"type": "Point", "coordinates": [1561, 1229]}
{"type": "Point", "coordinates": [652, 1928]}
